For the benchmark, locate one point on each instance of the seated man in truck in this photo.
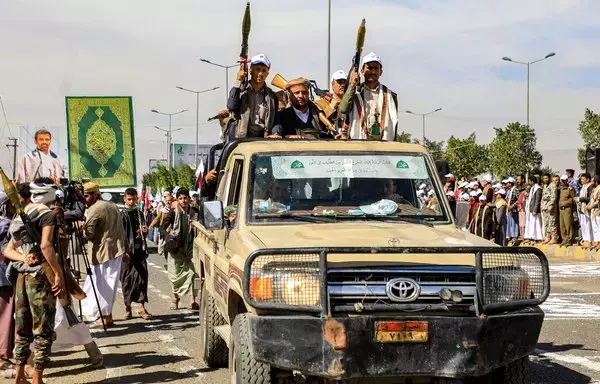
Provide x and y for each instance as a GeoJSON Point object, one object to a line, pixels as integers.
{"type": "Point", "coordinates": [301, 120]}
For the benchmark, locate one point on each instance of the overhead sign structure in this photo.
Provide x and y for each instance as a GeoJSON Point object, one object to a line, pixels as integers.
{"type": "Point", "coordinates": [100, 140]}
{"type": "Point", "coordinates": [186, 154]}
{"type": "Point", "coordinates": [154, 163]}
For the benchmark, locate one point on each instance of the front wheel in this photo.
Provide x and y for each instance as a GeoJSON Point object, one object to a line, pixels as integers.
{"type": "Point", "coordinates": [243, 368]}
{"type": "Point", "coordinates": [516, 372]}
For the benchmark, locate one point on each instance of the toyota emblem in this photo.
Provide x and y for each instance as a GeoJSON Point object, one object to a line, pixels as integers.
{"type": "Point", "coordinates": [402, 290]}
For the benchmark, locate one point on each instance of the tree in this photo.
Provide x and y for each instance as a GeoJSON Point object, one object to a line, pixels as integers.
{"type": "Point", "coordinates": [465, 157]}
{"type": "Point", "coordinates": [169, 178]}
{"type": "Point", "coordinates": [543, 170]}
{"type": "Point", "coordinates": [403, 137]}
{"type": "Point", "coordinates": [435, 148]}
{"type": "Point", "coordinates": [513, 150]}
{"type": "Point", "coordinates": [589, 129]}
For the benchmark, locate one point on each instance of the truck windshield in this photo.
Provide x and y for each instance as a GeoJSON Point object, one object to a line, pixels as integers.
{"type": "Point", "coordinates": [388, 186]}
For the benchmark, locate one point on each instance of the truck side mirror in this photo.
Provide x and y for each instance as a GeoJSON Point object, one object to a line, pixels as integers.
{"type": "Point", "coordinates": [212, 215]}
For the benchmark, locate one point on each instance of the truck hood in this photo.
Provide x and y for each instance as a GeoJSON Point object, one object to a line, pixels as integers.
{"type": "Point", "coordinates": [371, 234]}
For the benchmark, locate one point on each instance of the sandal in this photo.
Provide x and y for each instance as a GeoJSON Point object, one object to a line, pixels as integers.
{"type": "Point", "coordinates": [174, 304]}
{"type": "Point", "coordinates": [194, 306]}
{"type": "Point", "coordinates": [145, 315]}
{"type": "Point", "coordinates": [6, 364]}
{"type": "Point", "coordinates": [128, 314]}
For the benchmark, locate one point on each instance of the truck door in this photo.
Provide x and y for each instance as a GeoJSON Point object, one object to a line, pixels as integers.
{"type": "Point", "coordinates": [230, 202]}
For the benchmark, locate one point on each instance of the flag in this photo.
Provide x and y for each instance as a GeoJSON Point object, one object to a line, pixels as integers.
{"type": "Point", "coordinates": [200, 175]}
{"type": "Point", "coordinates": [100, 140]}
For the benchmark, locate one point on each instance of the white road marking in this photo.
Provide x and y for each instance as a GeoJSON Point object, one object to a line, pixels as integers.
{"type": "Point", "coordinates": [577, 294]}
{"type": "Point", "coordinates": [157, 267]}
{"type": "Point", "coordinates": [151, 263]}
{"type": "Point", "coordinates": [112, 373]}
{"type": "Point", "coordinates": [574, 307]}
{"type": "Point", "coordinates": [168, 338]}
{"type": "Point", "coordinates": [163, 271]}
{"type": "Point", "coordinates": [189, 368]}
{"type": "Point", "coordinates": [578, 269]}
{"type": "Point", "coordinates": [165, 297]}
{"type": "Point", "coordinates": [174, 351]}
{"type": "Point", "coordinates": [571, 359]}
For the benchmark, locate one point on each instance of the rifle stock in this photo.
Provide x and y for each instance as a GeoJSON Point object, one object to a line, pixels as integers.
{"type": "Point", "coordinates": [279, 81]}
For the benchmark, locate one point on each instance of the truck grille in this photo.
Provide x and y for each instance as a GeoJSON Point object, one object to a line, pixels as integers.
{"type": "Point", "coordinates": [364, 288]}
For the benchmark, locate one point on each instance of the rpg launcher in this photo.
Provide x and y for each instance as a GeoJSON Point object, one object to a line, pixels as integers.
{"type": "Point", "coordinates": [246, 22]}
{"type": "Point", "coordinates": [360, 42]}
{"type": "Point", "coordinates": [63, 297]}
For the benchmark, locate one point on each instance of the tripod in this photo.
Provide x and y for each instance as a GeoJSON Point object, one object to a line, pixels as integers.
{"type": "Point", "coordinates": [76, 243]}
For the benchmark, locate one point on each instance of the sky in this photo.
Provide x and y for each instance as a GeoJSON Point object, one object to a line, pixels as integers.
{"type": "Point", "coordinates": [436, 53]}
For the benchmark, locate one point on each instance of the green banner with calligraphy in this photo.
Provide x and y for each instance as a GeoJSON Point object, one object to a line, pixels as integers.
{"type": "Point", "coordinates": [100, 140]}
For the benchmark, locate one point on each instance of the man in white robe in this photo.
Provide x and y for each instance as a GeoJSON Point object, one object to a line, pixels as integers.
{"type": "Point", "coordinates": [103, 229]}
{"type": "Point", "coordinates": [583, 202]}
{"type": "Point", "coordinates": [371, 108]}
{"type": "Point", "coordinates": [533, 225]}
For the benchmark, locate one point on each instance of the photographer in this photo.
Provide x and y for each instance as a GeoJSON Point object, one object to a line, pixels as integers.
{"type": "Point", "coordinates": [35, 295]}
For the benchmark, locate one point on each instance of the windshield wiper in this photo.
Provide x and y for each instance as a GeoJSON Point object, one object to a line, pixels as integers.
{"type": "Point", "coordinates": [299, 217]}
{"type": "Point", "coordinates": [387, 218]}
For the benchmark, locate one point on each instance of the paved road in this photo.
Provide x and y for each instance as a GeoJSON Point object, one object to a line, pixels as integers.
{"type": "Point", "coordinates": [166, 348]}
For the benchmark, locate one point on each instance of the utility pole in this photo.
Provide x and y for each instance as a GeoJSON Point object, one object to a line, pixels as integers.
{"type": "Point", "coordinates": [14, 146]}
{"type": "Point", "coordinates": [169, 149]}
{"type": "Point", "coordinates": [197, 113]}
{"type": "Point", "coordinates": [423, 117]}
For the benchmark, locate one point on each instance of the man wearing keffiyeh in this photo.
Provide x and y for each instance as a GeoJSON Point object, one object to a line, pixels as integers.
{"type": "Point", "coordinates": [134, 269]}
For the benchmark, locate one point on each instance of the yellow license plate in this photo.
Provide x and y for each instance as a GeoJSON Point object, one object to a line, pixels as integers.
{"type": "Point", "coordinates": [401, 331]}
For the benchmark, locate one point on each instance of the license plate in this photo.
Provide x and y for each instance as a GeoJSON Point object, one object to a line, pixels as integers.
{"type": "Point", "coordinates": [401, 331]}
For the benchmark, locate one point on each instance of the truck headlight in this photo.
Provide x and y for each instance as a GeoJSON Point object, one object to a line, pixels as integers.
{"type": "Point", "coordinates": [504, 285]}
{"type": "Point", "coordinates": [291, 280]}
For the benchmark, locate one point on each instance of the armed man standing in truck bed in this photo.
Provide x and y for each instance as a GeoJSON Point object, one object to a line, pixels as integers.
{"type": "Point", "coordinates": [371, 108]}
{"type": "Point", "coordinates": [254, 105]}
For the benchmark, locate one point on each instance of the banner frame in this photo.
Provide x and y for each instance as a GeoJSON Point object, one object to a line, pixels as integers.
{"type": "Point", "coordinates": [133, 158]}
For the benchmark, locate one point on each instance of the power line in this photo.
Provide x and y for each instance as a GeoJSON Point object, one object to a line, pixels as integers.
{"type": "Point", "coordinates": [5, 119]}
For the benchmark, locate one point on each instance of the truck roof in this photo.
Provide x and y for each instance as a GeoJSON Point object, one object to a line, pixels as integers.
{"type": "Point", "coordinates": [275, 145]}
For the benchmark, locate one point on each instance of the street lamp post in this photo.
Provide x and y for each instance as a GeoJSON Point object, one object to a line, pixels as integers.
{"type": "Point", "coordinates": [197, 113]}
{"type": "Point", "coordinates": [226, 73]}
{"type": "Point", "coordinates": [169, 132]}
{"type": "Point", "coordinates": [528, 64]}
{"type": "Point", "coordinates": [423, 117]}
{"type": "Point", "coordinates": [328, 42]}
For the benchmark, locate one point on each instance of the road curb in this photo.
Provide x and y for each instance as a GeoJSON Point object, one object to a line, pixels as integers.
{"type": "Point", "coordinates": [569, 253]}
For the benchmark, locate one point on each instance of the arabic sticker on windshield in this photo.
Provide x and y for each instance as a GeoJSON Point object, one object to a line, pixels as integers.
{"type": "Point", "coordinates": [357, 166]}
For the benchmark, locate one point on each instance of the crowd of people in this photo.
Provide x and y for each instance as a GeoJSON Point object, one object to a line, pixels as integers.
{"type": "Point", "coordinates": [62, 230]}
{"type": "Point", "coordinates": [552, 209]}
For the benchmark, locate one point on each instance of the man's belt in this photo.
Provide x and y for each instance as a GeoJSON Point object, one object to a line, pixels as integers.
{"type": "Point", "coordinates": [565, 207]}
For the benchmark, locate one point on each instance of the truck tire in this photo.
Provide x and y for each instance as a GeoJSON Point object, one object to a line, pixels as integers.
{"type": "Point", "coordinates": [214, 347]}
{"type": "Point", "coordinates": [516, 372]}
{"type": "Point", "coordinates": [243, 368]}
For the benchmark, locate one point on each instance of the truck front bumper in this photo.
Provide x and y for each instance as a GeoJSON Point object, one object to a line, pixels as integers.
{"type": "Point", "coordinates": [345, 347]}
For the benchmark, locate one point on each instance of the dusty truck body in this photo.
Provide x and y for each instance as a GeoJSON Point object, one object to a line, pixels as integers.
{"type": "Point", "coordinates": [320, 261]}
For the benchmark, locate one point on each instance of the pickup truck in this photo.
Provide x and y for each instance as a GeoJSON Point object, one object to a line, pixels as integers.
{"type": "Point", "coordinates": [319, 262]}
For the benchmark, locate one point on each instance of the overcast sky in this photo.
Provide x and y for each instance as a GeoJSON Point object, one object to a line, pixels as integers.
{"type": "Point", "coordinates": [436, 53]}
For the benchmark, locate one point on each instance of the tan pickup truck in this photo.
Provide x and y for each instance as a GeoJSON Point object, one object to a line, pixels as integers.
{"type": "Point", "coordinates": [321, 261]}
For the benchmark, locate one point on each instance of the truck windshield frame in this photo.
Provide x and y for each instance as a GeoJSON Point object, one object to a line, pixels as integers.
{"type": "Point", "coordinates": [408, 208]}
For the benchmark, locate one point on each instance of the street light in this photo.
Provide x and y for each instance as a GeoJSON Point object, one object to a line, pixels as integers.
{"type": "Point", "coordinates": [168, 133]}
{"type": "Point", "coordinates": [423, 116]}
{"type": "Point", "coordinates": [528, 64]}
{"type": "Point", "coordinates": [226, 73]}
{"type": "Point", "coordinates": [197, 112]}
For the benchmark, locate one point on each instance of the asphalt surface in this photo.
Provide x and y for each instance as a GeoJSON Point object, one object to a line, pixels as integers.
{"type": "Point", "coordinates": [166, 349]}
